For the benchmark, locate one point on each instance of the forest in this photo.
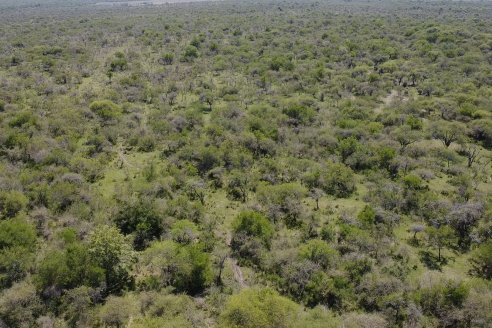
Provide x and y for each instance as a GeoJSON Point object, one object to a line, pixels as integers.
{"type": "Point", "coordinates": [246, 164]}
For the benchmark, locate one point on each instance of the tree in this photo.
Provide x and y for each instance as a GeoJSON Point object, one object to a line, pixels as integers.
{"type": "Point", "coordinates": [441, 237]}
{"type": "Point", "coordinates": [186, 267]}
{"type": "Point", "coordinates": [471, 152]}
{"type": "Point", "coordinates": [208, 98]}
{"type": "Point", "coordinates": [17, 244]}
{"type": "Point", "coordinates": [442, 299]}
{"type": "Point", "coordinates": [252, 234]}
{"type": "Point", "coordinates": [318, 252]}
{"type": "Point", "coordinates": [69, 269]}
{"type": "Point", "coordinates": [19, 305]}
{"type": "Point", "coordinates": [316, 194]}
{"type": "Point", "coordinates": [347, 147]}
{"type": "Point", "coordinates": [253, 308]}
{"type": "Point", "coordinates": [367, 216]}
{"type": "Point", "coordinates": [117, 311]}
{"type": "Point", "coordinates": [481, 260]}
{"type": "Point", "coordinates": [110, 250]}
{"type": "Point", "coordinates": [142, 219]}
{"type": "Point", "coordinates": [184, 232]}
{"type": "Point", "coordinates": [12, 202]}
{"type": "Point", "coordinates": [338, 180]}
{"type": "Point", "coordinates": [106, 109]}
{"type": "Point", "coordinates": [238, 185]}
{"type": "Point", "coordinates": [282, 201]}
{"type": "Point", "coordinates": [406, 136]}
{"type": "Point", "coordinates": [416, 228]}
{"type": "Point", "coordinates": [446, 132]}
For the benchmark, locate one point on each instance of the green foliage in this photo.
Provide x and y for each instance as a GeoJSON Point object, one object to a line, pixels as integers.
{"type": "Point", "coordinates": [184, 267]}
{"type": "Point", "coordinates": [481, 260]}
{"type": "Point", "coordinates": [190, 53]}
{"type": "Point", "coordinates": [110, 250]}
{"type": "Point", "coordinates": [441, 237]}
{"type": "Point", "coordinates": [17, 233]}
{"type": "Point", "coordinates": [270, 144]}
{"type": "Point", "coordinates": [167, 58]}
{"type": "Point", "coordinates": [142, 219]}
{"type": "Point", "coordinates": [119, 63]}
{"type": "Point", "coordinates": [367, 216]}
{"type": "Point", "coordinates": [282, 201]}
{"type": "Point", "coordinates": [254, 224]}
{"type": "Point", "coordinates": [338, 180]}
{"type": "Point", "coordinates": [442, 297]}
{"type": "Point", "coordinates": [184, 232]}
{"type": "Point", "coordinates": [318, 252]}
{"type": "Point", "coordinates": [23, 119]}
{"type": "Point", "coordinates": [106, 109]}
{"type": "Point", "coordinates": [74, 267]}
{"type": "Point", "coordinates": [12, 202]}
{"type": "Point", "coordinates": [20, 305]}
{"type": "Point", "coordinates": [299, 114]}
{"type": "Point", "coordinates": [259, 308]}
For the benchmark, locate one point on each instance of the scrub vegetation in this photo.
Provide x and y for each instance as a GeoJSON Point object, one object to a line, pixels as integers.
{"type": "Point", "coordinates": [246, 164]}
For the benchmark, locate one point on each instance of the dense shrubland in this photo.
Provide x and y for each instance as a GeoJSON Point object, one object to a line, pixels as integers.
{"type": "Point", "coordinates": [246, 165]}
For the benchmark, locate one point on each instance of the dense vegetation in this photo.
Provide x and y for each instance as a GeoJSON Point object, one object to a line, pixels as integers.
{"type": "Point", "coordinates": [283, 164]}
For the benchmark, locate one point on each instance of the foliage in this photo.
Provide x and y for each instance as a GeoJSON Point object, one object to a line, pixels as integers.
{"type": "Point", "coordinates": [259, 308]}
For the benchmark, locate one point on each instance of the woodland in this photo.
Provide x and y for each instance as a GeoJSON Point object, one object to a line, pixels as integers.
{"type": "Point", "coordinates": [246, 164]}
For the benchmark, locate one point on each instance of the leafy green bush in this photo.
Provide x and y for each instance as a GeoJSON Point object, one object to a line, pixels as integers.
{"type": "Point", "coordinates": [106, 109]}
{"type": "Point", "coordinates": [338, 180]}
{"type": "Point", "coordinates": [12, 202]}
{"type": "Point", "coordinates": [481, 260]}
{"type": "Point", "coordinates": [253, 308]}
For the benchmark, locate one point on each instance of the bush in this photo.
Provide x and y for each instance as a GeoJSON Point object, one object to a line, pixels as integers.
{"type": "Point", "coordinates": [17, 233]}
{"type": "Point", "coordinates": [184, 232]}
{"type": "Point", "coordinates": [20, 306]}
{"type": "Point", "coordinates": [254, 224]}
{"type": "Point", "coordinates": [283, 201]}
{"type": "Point", "coordinates": [106, 109]}
{"type": "Point", "coordinates": [318, 252]}
{"type": "Point", "coordinates": [442, 298]}
{"type": "Point", "coordinates": [142, 219]}
{"type": "Point", "coordinates": [69, 269]}
{"type": "Point", "coordinates": [12, 202]}
{"type": "Point", "coordinates": [338, 180]}
{"type": "Point", "coordinates": [481, 260]}
{"type": "Point", "coordinates": [110, 250]}
{"type": "Point", "coordinates": [253, 308]}
{"type": "Point", "coordinates": [184, 267]}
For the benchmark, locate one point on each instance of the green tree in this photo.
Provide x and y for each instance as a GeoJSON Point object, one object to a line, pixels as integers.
{"type": "Point", "coordinates": [253, 308]}
{"type": "Point", "coordinates": [106, 109]}
{"type": "Point", "coordinates": [17, 244]}
{"type": "Point", "coordinates": [338, 180]}
{"type": "Point", "coordinates": [142, 219]}
{"type": "Point", "coordinates": [184, 267]}
{"type": "Point", "coordinates": [481, 260]}
{"type": "Point", "coordinates": [318, 252]}
{"type": "Point", "coordinates": [110, 250]}
{"type": "Point", "coordinates": [12, 202]}
{"type": "Point", "coordinates": [252, 234]}
{"type": "Point", "coordinates": [441, 237]}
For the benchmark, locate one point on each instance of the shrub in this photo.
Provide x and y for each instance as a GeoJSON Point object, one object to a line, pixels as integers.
{"type": "Point", "coordinates": [481, 260]}
{"type": "Point", "coordinates": [338, 180]}
{"type": "Point", "coordinates": [253, 308]}
{"type": "Point", "coordinates": [12, 202]}
{"type": "Point", "coordinates": [106, 109]}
